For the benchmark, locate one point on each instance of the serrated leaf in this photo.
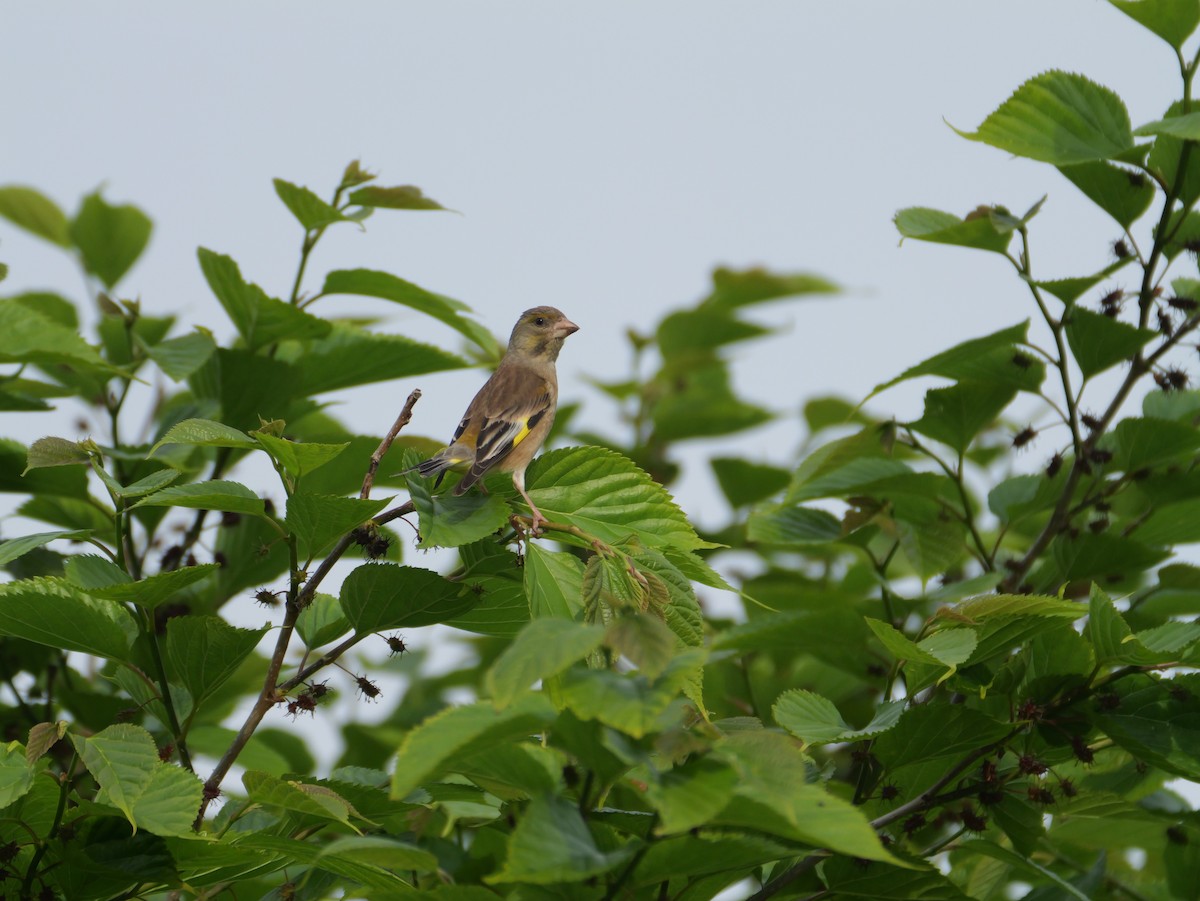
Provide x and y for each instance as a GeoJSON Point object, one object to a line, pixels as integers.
{"type": "Point", "coordinates": [34, 212]}
{"type": "Point", "coordinates": [28, 336]}
{"type": "Point", "coordinates": [318, 520]}
{"type": "Point", "coordinates": [110, 238]}
{"type": "Point", "coordinates": [847, 878]}
{"type": "Point", "coordinates": [739, 288]}
{"type": "Point", "coordinates": [815, 719]}
{"type": "Point", "coordinates": [169, 803]}
{"type": "Point", "coordinates": [298, 458]}
{"type": "Point", "coordinates": [645, 640]}
{"type": "Point", "coordinates": [608, 496]}
{"type": "Point", "coordinates": [204, 651]}
{"type": "Point", "coordinates": [1111, 638]}
{"type": "Point", "coordinates": [230, 497]}
{"type": "Point", "coordinates": [53, 613]}
{"type": "Point", "coordinates": [309, 209]}
{"type": "Point", "coordinates": [205, 433]}
{"type": "Point", "coordinates": [935, 733]}
{"type": "Point", "coordinates": [552, 844]}
{"type": "Point", "coordinates": [1059, 118]}
{"type": "Point", "coordinates": [322, 621]}
{"type": "Point", "coordinates": [1098, 342]}
{"type": "Point", "coordinates": [691, 794]}
{"type": "Point", "coordinates": [1122, 193]}
{"type": "Point", "coordinates": [630, 703]}
{"type": "Point", "coordinates": [430, 748]}
{"type": "Point", "coordinates": [52, 451]}
{"type": "Point", "coordinates": [542, 649]}
{"type": "Point", "coordinates": [291, 796]}
{"type": "Point", "coordinates": [449, 520]}
{"type": "Point", "coordinates": [387, 853]}
{"type": "Point", "coordinates": [955, 415]}
{"type": "Point", "coordinates": [379, 596]}
{"type": "Point", "coordinates": [43, 737]}
{"type": "Point", "coordinates": [989, 358]}
{"type": "Point", "coordinates": [1139, 442]}
{"type": "Point", "coordinates": [16, 773]}
{"type": "Point", "coordinates": [123, 759]}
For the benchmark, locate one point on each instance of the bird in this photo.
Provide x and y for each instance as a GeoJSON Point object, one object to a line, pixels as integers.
{"type": "Point", "coordinates": [508, 420]}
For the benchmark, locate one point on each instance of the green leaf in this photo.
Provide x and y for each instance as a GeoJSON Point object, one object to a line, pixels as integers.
{"type": "Point", "coordinates": [1185, 126]}
{"type": "Point", "coordinates": [646, 641]}
{"type": "Point", "coordinates": [743, 482]}
{"type": "Point", "coordinates": [1023, 864]}
{"type": "Point", "coordinates": [1142, 442]}
{"type": "Point", "coordinates": [152, 591]}
{"type": "Point", "coordinates": [297, 797]}
{"type": "Point", "coordinates": [34, 212]}
{"type": "Point", "coordinates": [449, 520]}
{"type": "Point", "coordinates": [955, 415]}
{"type": "Point", "coordinates": [980, 232]}
{"type": "Point", "coordinates": [399, 197]}
{"type": "Point", "coordinates": [1112, 639]}
{"type": "Point", "coordinates": [734, 288]}
{"type": "Point", "coordinates": [260, 319]}
{"type": "Point", "coordinates": [148, 484]}
{"type": "Point", "coordinates": [55, 452]}
{"type": "Point", "coordinates": [182, 356]}
{"type": "Point", "coordinates": [205, 433]}
{"type": "Point", "coordinates": [1156, 720]}
{"type": "Point", "coordinates": [1059, 118]}
{"type": "Point", "coordinates": [458, 732]}
{"type": "Point", "coordinates": [630, 703]}
{"type": "Point", "coordinates": [318, 520]}
{"type": "Point", "coordinates": [690, 795]}
{"type": "Point", "coordinates": [685, 333]}
{"type": "Point", "coordinates": [542, 649]}
{"type": "Point", "coordinates": [1098, 342]}
{"type": "Point", "coordinates": [1171, 20]}
{"type": "Point", "coordinates": [775, 796]}
{"type": "Point", "coordinates": [230, 497]}
{"type": "Point", "coordinates": [846, 878]}
{"type": "Point", "coordinates": [552, 844]}
{"type": "Point", "coordinates": [1069, 290]}
{"type": "Point", "coordinates": [386, 853]}
{"type": "Point", "coordinates": [1122, 193]}
{"type": "Point", "coordinates": [109, 238]}
{"type": "Point", "coordinates": [169, 803]}
{"type": "Point", "coordinates": [385, 286]}
{"type": "Point", "coordinates": [379, 596]}
{"type": "Point", "coordinates": [899, 645]}
{"type": "Point", "coordinates": [935, 733]}
{"type": "Point", "coordinates": [792, 524]}
{"type": "Point", "coordinates": [350, 356]}
{"type": "Point", "coordinates": [16, 773]}
{"type": "Point", "coordinates": [29, 336]}
{"type": "Point", "coordinates": [309, 209]}
{"type": "Point", "coordinates": [250, 388]}
{"type": "Point", "coordinates": [991, 358]}
{"type": "Point", "coordinates": [53, 613]}
{"type": "Point", "coordinates": [298, 458]}
{"type": "Point", "coordinates": [13, 548]}
{"type": "Point", "coordinates": [202, 652]}
{"type": "Point", "coordinates": [553, 583]}
{"type": "Point", "coordinates": [122, 758]}
{"type": "Point", "coordinates": [815, 720]}
{"type": "Point", "coordinates": [608, 496]}
{"type": "Point", "coordinates": [322, 621]}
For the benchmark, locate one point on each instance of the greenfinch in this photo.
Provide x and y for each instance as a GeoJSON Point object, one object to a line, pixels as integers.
{"type": "Point", "coordinates": [510, 417]}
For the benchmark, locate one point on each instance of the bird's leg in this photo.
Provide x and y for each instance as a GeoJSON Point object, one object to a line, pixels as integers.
{"type": "Point", "coordinates": [536, 520]}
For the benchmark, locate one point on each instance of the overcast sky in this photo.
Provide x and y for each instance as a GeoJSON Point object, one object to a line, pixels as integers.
{"type": "Point", "coordinates": [604, 157]}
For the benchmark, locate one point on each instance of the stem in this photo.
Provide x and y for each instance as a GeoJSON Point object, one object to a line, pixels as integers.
{"type": "Point", "coordinates": [401, 421]}
{"type": "Point", "coordinates": [633, 862]}
{"type": "Point", "coordinates": [146, 620]}
{"type": "Point", "coordinates": [64, 789]}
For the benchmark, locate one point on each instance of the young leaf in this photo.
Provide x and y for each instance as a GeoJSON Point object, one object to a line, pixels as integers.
{"type": "Point", "coordinates": [55, 452]}
{"type": "Point", "coordinates": [542, 649]}
{"type": "Point", "coordinates": [379, 596]}
{"type": "Point", "coordinates": [109, 238]}
{"type": "Point", "coordinates": [924, 224]}
{"type": "Point", "coordinates": [400, 197]}
{"type": "Point", "coordinates": [1171, 20]}
{"type": "Point", "coordinates": [309, 209]}
{"type": "Point", "coordinates": [205, 433]}
{"type": "Point", "coordinates": [34, 212]}
{"type": "Point", "coordinates": [1059, 118]}
{"type": "Point", "coordinates": [298, 458]}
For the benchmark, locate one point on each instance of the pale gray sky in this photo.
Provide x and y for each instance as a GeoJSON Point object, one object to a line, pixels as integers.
{"type": "Point", "coordinates": [604, 156]}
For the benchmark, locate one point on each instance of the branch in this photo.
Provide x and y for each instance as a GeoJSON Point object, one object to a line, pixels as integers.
{"type": "Point", "coordinates": [385, 445]}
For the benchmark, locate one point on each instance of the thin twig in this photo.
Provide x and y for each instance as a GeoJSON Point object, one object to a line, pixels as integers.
{"type": "Point", "coordinates": [385, 445]}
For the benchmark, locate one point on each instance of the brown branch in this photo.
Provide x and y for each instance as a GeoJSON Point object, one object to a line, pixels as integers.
{"type": "Point", "coordinates": [384, 446]}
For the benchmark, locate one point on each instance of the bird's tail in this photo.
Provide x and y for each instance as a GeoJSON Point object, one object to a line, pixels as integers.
{"type": "Point", "coordinates": [439, 464]}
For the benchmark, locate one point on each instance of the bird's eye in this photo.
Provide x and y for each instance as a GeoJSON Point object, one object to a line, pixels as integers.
{"type": "Point", "coordinates": [541, 320]}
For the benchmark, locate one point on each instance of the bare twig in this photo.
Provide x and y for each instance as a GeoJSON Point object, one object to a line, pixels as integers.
{"type": "Point", "coordinates": [385, 445]}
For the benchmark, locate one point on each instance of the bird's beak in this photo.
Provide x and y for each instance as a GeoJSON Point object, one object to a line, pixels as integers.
{"type": "Point", "coordinates": [566, 327]}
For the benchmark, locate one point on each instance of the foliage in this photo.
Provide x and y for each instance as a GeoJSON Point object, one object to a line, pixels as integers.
{"type": "Point", "coordinates": [937, 673]}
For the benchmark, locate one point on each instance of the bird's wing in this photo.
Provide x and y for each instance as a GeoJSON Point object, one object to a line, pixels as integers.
{"type": "Point", "coordinates": [507, 410]}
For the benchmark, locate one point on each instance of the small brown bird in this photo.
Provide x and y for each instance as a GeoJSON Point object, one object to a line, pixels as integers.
{"type": "Point", "coordinates": [510, 417]}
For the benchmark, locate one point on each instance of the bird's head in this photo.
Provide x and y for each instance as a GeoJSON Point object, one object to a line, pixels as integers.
{"type": "Point", "coordinates": [540, 332]}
